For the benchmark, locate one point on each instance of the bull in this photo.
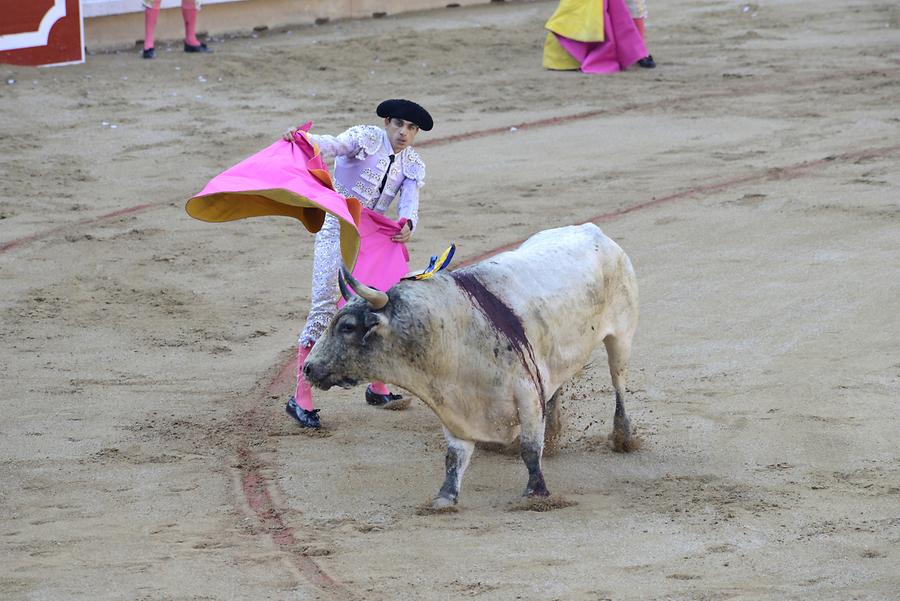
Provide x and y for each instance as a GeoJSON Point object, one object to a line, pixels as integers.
{"type": "Point", "coordinates": [488, 347]}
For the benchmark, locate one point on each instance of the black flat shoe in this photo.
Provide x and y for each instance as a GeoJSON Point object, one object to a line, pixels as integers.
{"type": "Point", "coordinates": [647, 62]}
{"type": "Point", "coordinates": [385, 401]}
{"type": "Point", "coordinates": [149, 53]}
{"type": "Point", "coordinates": [307, 419]}
{"type": "Point", "coordinates": [201, 48]}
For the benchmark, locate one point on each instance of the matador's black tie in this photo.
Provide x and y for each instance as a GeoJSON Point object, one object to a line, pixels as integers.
{"type": "Point", "coordinates": [384, 179]}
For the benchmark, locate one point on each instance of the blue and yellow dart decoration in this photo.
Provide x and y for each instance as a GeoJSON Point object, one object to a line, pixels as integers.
{"type": "Point", "coordinates": [436, 264]}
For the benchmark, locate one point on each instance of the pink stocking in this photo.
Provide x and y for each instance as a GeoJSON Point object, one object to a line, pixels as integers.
{"type": "Point", "coordinates": [379, 387]}
{"type": "Point", "coordinates": [150, 16]}
{"type": "Point", "coordinates": [639, 23]}
{"type": "Point", "coordinates": [303, 392]}
{"type": "Point", "coordinates": [189, 12]}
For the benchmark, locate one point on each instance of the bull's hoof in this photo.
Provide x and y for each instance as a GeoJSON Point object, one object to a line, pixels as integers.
{"type": "Point", "coordinates": [623, 443]}
{"type": "Point", "coordinates": [440, 503]}
{"type": "Point", "coordinates": [433, 509]}
{"type": "Point", "coordinates": [537, 493]}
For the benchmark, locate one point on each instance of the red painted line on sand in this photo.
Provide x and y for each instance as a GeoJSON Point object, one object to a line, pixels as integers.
{"type": "Point", "coordinates": [255, 489]}
{"type": "Point", "coordinates": [271, 519]}
{"type": "Point", "coordinates": [13, 244]}
{"type": "Point", "coordinates": [285, 375]}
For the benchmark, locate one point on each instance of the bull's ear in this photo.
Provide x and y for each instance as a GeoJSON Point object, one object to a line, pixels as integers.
{"type": "Point", "coordinates": [376, 323]}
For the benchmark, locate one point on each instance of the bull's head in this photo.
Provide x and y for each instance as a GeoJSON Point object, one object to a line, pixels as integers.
{"type": "Point", "coordinates": [346, 352]}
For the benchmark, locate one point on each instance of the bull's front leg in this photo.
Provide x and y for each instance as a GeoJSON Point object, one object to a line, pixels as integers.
{"type": "Point", "coordinates": [459, 452]}
{"type": "Point", "coordinates": [531, 445]}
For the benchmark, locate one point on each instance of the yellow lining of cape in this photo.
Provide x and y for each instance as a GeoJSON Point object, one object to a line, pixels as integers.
{"type": "Point", "coordinates": [556, 57]}
{"type": "Point", "coordinates": [579, 20]}
{"type": "Point", "coordinates": [230, 206]}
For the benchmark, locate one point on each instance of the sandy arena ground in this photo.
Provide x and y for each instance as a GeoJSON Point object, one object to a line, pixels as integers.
{"type": "Point", "coordinates": [753, 178]}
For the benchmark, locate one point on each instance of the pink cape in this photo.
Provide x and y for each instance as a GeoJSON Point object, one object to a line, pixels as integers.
{"type": "Point", "coordinates": [622, 48]}
{"type": "Point", "coordinates": [287, 178]}
{"type": "Point", "coordinates": [381, 262]}
{"type": "Point", "coordinates": [291, 179]}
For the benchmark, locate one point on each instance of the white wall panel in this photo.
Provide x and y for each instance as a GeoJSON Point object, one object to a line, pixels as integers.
{"type": "Point", "coordinates": [101, 8]}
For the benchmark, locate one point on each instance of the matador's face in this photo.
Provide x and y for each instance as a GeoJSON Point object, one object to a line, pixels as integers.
{"type": "Point", "coordinates": [401, 133]}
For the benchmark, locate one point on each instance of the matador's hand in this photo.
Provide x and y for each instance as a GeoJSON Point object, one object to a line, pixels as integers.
{"type": "Point", "coordinates": [405, 234]}
{"type": "Point", "coordinates": [289, 134]}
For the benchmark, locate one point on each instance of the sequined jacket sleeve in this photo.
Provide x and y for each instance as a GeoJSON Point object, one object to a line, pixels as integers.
{"type": "Point", "coordinates": [358, 141]}
{"type": "Point", "coordinates": [414, 178]}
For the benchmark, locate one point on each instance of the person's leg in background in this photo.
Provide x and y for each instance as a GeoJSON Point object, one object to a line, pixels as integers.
{"type": "Point", "coordinates": [189, 10]}
{"type": "Point", "coordinates": [639, 23]}
{"type": "Point", "coordinates": [638, 10]}
{"type": "Point", "coordinates": [151, 14]}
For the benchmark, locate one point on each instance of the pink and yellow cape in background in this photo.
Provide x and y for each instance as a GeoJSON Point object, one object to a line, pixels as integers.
{"type": "Point", "coordinates": [595, 36]}
{"type": "Point", "coordinates": [292, 180]}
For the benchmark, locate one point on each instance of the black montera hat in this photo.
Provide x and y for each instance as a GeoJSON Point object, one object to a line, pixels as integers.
{"type": "Point", "coordinates": [406, 110]}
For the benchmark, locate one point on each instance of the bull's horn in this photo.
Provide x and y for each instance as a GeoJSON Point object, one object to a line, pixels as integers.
{"type": "Point", "coordinates": [376, 298]}
{"type": "Point", "coordinates": [342, 284]}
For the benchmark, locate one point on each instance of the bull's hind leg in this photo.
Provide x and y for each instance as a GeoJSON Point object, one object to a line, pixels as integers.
{"type": "Point", "coordinates": [618, 351]}
{"type": "Point", "coordinates": [531, 445]}
{"type": "Point", "coordinates": [459, 452]}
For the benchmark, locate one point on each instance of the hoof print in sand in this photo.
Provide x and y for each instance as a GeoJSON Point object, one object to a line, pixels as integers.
{"type": "Point", "coordinates": [541, 503]}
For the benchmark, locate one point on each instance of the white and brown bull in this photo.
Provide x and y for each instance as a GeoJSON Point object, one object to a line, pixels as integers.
{"type": "Point", "coordinates": [488, 347]}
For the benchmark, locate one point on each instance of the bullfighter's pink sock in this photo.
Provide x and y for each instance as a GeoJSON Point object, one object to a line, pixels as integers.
{"type": "Point", "coordinates": [639, 23]}
{"type": "Point", "coordinates": [379, 387]}
{"type": "Point", "coordinates": [303, 391]}
{"type": "Point", "coordinates": [189, 12]}
{"type": "Point", "coordinates": [150, 17]}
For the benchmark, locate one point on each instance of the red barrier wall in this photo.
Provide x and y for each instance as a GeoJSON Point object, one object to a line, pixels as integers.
{"type": "Point", "coordinates": [41, 32]}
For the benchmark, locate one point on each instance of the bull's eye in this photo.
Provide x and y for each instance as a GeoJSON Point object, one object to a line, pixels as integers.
{"type": "Point", "coordinates": [346, 327]}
